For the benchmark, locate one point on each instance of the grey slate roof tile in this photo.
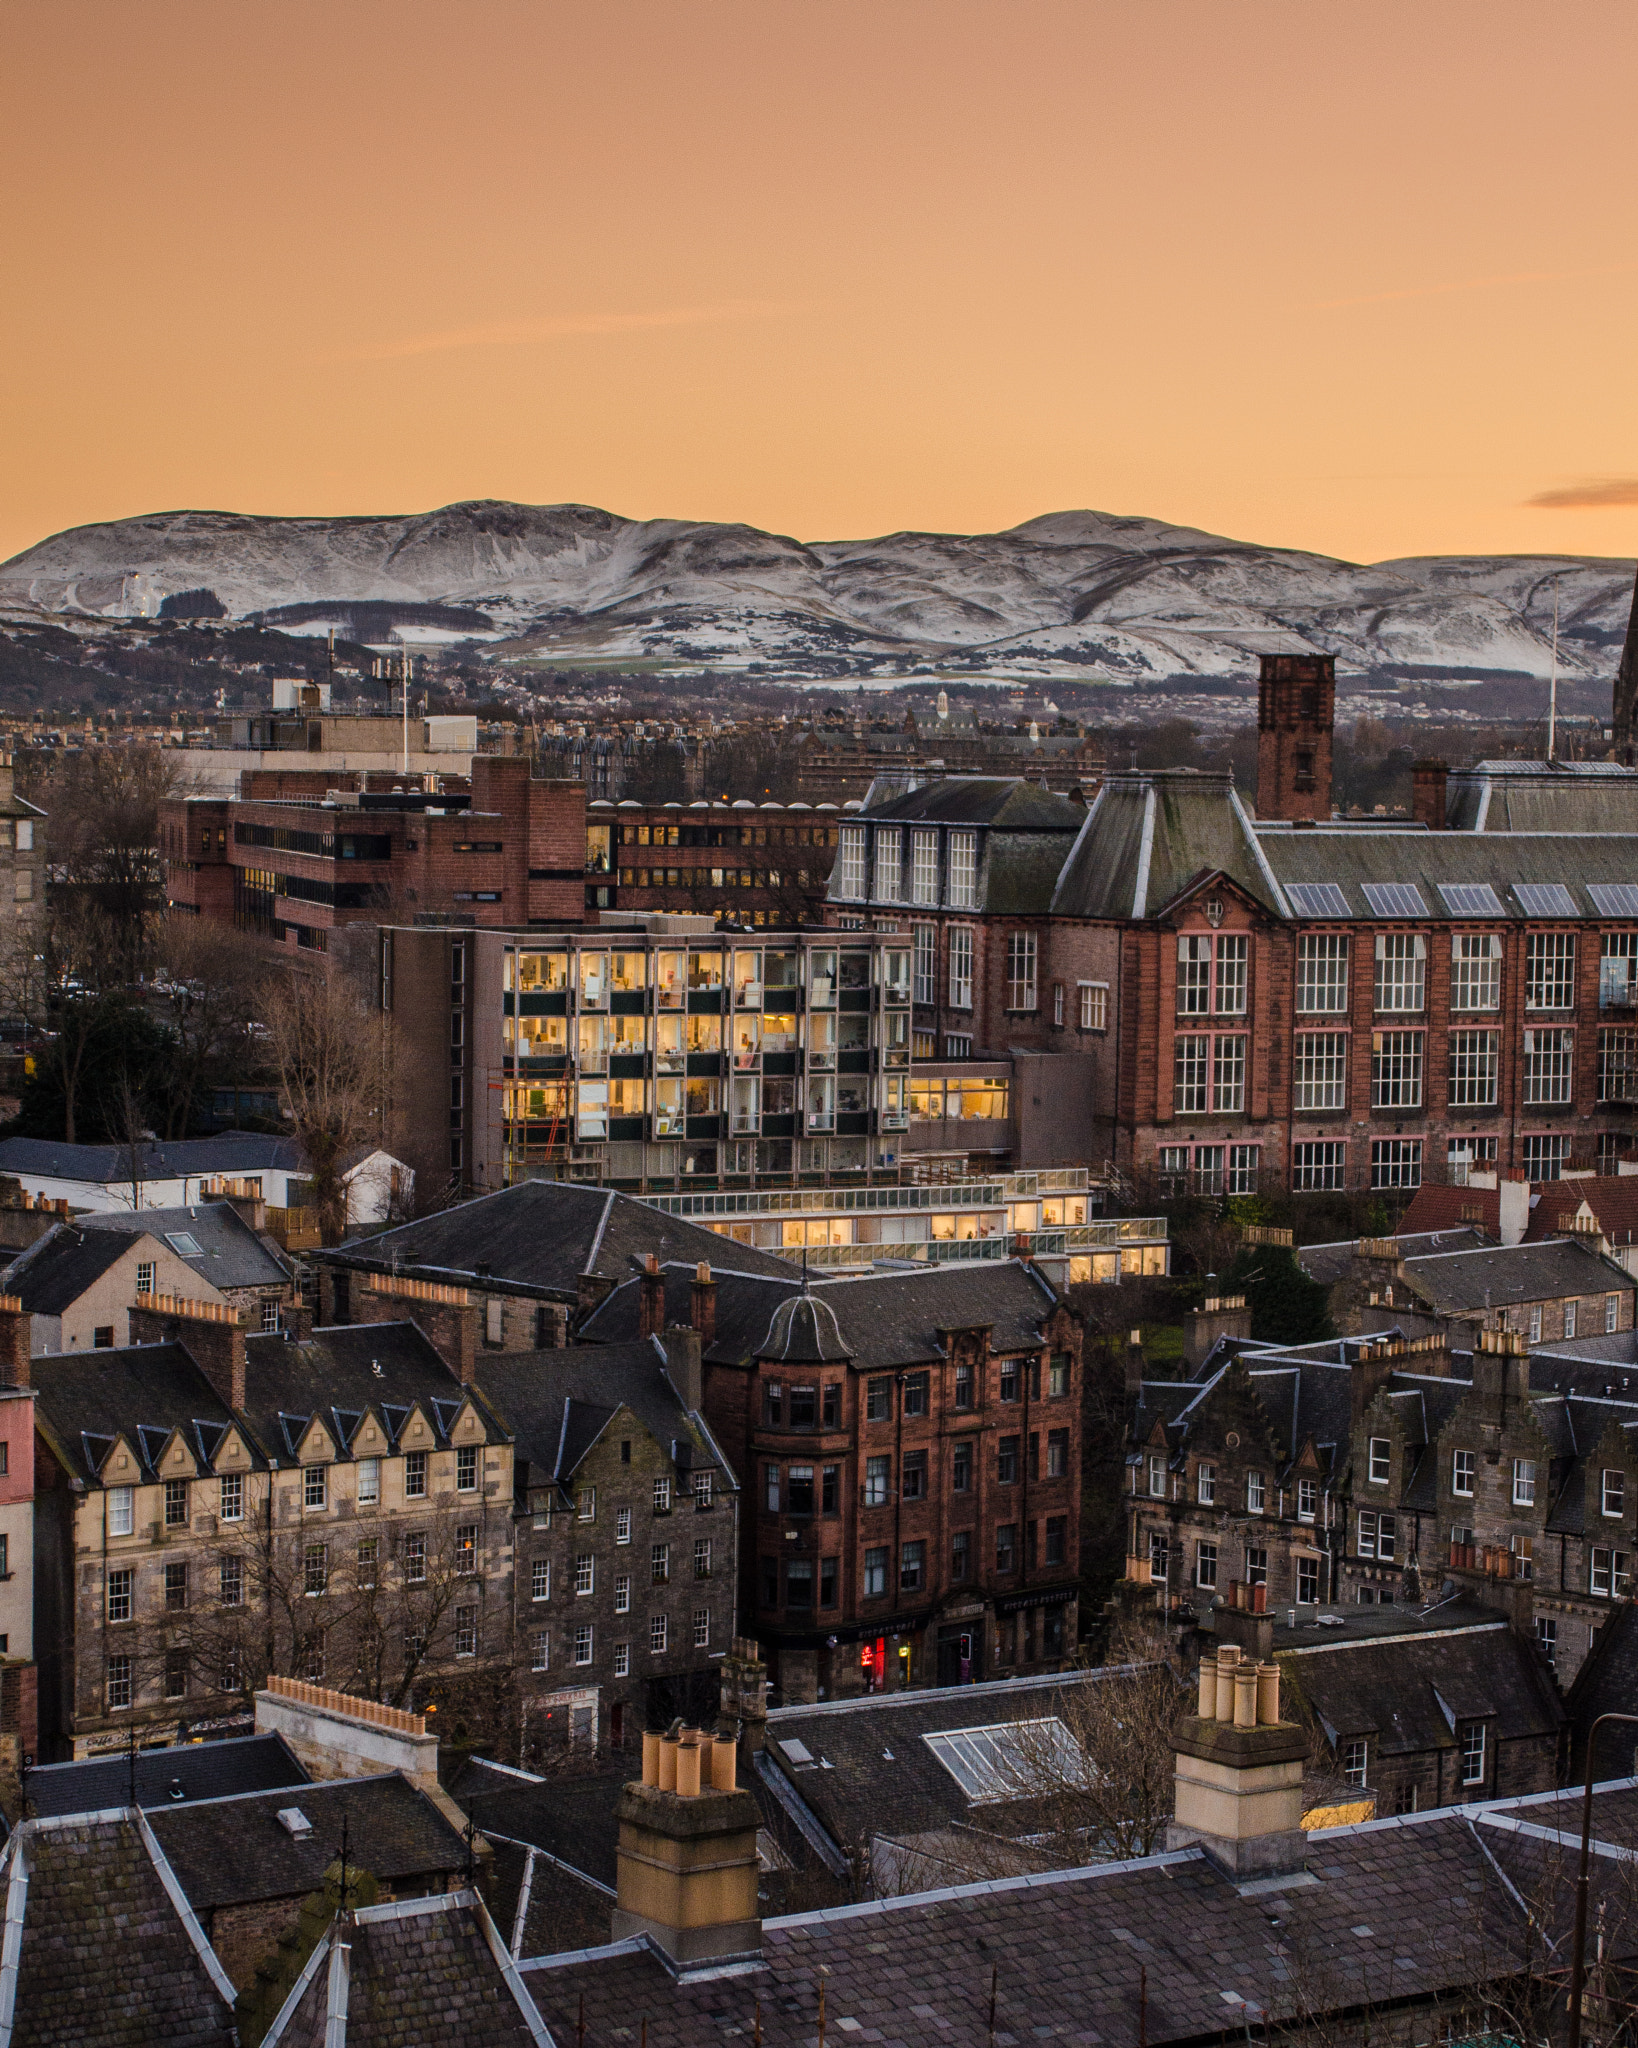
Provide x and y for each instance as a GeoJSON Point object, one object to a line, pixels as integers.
{"type": "Point", "coordinates": [203, 1770]}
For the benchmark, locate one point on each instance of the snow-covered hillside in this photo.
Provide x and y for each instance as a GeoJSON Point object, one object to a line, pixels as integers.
{"type": "Point", "coordinates": [1119, 598]}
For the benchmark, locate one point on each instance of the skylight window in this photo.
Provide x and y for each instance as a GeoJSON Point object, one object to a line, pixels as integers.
{"type": "Point", "coordinates": [1012, 1760]}
{"type": "Point", "coordinates": [1545, 899]}
{"type": "Point", "coordinates": [1614, 899]}
{"type": "Point", "coordinates": [1317, 899]}
{"type": "Point", "coordinates": [184, 1244]}
{"type": "Point", "coordinates": [1471, 899]}
{"type": "Point", "coordinates": [1395, 899]}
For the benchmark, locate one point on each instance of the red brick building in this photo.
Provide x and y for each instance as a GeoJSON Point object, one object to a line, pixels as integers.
{"type": "Point", "coordinates": [742, 862]}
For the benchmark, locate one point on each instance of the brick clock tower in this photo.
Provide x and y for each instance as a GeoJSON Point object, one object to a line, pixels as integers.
{"type": "Point", "coordinates": [1296, 704]}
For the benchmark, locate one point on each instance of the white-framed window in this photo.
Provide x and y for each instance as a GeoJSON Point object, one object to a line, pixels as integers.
{"type": "Point", "coordinates": [1233, 964]}
{"type": "Point", "coordinates": [1547, 1637]}
{"type": "Point", "coordinates": [1401, 971]}
{"type": "Point", "coordinates": [924, 963]}
{"type": "Point", "coordinates": [963, 870]}
{"type": "Point", "coordinates": [1546, 1154]}
{"type": "Point", "coordinates": [850, 864]}
{"type": "Point", "coordinates": [961, 967]}
{"type": "Point", "coordinates": [120, 1583]}
{"type": "Point", "coordinates": [622, 1525]}
{"type": "Point", "coordinates": [1378, 1536]}
{"type": "Point", "coordinates": [1157, 1475]}
{"type": "Point", "coordinates": [662, 1496]}
{"type": "Point", "coordinates": [1320, 1166]}
{"type": "Point", "coordinates": [369, 1481]}
{"type": "Point", "coordinates": [924, 867]}
{"type": "Point", "coordinates": [1549, 1065]}
{"type": "Point", "coordinates": [1355, 1759]}
{"type": "Point", "coordinates": [1319, 1070]}
{"type": "Point", "coordinates": [1020, 970]}
{"type": "Point", "coordinates": [1475, 971]}
{"type": "Point", "coordinates": [1396, 1162]}
{"type": "Point", "coordinates": [119, 1682]}
{"type": "Point", "coordinates": [1617, 1064]}
{"type": "Point", "coordinates": [1613, 1492]}
{"type": "Point", "coordinates": [540, 1579]}
{"type": "Point", "coordinates": [231, 1501]}
{"type": "Point", "coordinates": [1058, 1005]}
{"type": "Point", "coordinates": [1322, 974]}
{"type": "Point", "coordinates": [466, 1631]}
{"type": "Point", "coordinates": [583, 1642]}
{"type": "Point", "coordinates": [1461, 1474]}
{"type": "Point", "coordinates": [1570, 1318]}
{"type": "Point", "coordinates": [121, 1509]}
{"type": "Point", "coordinates": [1607, 1573]}
{"type": "Point", "coordinates": [659, 1631]}
{"type": "Point", "coordinates": [1535, 1322]}
{"type": "Point", "coordinates": [541, 1650]}
{"type": "Point", "coordinates": [622, 1660]}
{"type": "Point", "coordinates": [703, 1487]}
{"type": "Point", "coordinates": [1256, 1493]}
{"type": "Point", "coordinates": [1191, 1068]}
{"type": "Point", "coordinates": [1207, 1178]}
{"type": "Point", "coordinates": [588, 1503]}
{"type": "Point", "coordinates": [1193, 975]}
{"type": "Point", "coordinates": [1307, 1500]}
{"type": "Point", "coordinates": [314, 1490]}
{"type": "Point", "coordinates": [585, 1573]}
{"type": "Point", "coordinates": [1307, 1579]}
{"type": "Point", "coordinates": [1093, 1005]}
{"type": "Point", "coordinates": [1618, 971]}
{"type": "Point", "coordinates": [1381, 1460]}
{"type": "Point", "coordinates": [622, 1592]}
{"type": "Point", "coordinates": [1549, 971]}
{"type": "Point", "coordinates": [1524, 1482]}
{"type": "Point", "coordinates": [958, 1045]}
{"type": "Point", "coordinates": [1473, 1752]}
{"type": "Point", "coordinates": [1205, 1564]}
{"type": "Point", "coordinates": [1205, 1483]}
{"type": "Point", "coordinates": [659, 1565]}
{"type": "Point", "coordinates": [1244, 1163]}
{"type": "Point", "coordinates": [1396, 1069]}
{"type": "Point", "coordinates": [1475, 1062]}
{"type": "Point", "coordinates": [889, 863]}
{"type": "Point", "coordinates": [1228, 1074]}
{"type": "Point", "coordinates": [702, 1628]}
{"type": "Point", "coordinates": [145, 1277]}
{"type": "Point", "coordinates": [1612, 1314]}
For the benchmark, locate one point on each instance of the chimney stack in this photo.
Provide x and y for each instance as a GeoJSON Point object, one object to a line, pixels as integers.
{"type": "Point", "coordinates": [651, 1298]}
{"type": "Point", "coordinates": [1134, 1368]}
{"type": "Point", "coordinates": [1239, 1771]}
{"type": "Point", "coordinates": [703, 1306]}
{"type": "Point", "coordinates": [213, 1337]}
{"type": "Point", "coordinates": [682, 1364]}
{"type": "Point", "coordinates": [686, 1860]}
{"type": "Point", "coordinates": [1296, 706]}
{"type": "Point", "coordinates": [1221, 1315]}
{"type": "Point", "coordinates": [16, 1345]}
{"type": "Point", "coordinates": [445, 1316]}
{"type": "Point", "coordinates": [1428, 779]}
{"type": "Point", "coordinates": [744, 1696]}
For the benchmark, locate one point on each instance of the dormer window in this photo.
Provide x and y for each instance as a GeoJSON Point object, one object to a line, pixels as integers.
{"type": "Point", "coordinates": [1157, 1477]}
{"type": "Point", "coordinates": [1381, 1460]}
{"type": "Point", "coordinates": [1205, 1483]}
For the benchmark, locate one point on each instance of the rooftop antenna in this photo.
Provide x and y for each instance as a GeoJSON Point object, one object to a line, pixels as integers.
{"type": "Point", "coordinates": [1552, 687]}
{"type": "Point", "coordinates": [131, 1761]}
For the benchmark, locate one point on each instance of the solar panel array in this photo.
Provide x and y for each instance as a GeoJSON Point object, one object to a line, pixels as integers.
{"type": "Point", "coordinates": [1471, 899]}
{"type": "Point", "coordinates": [1395, 899]}
{"type": "Point", "coordinates": [1614, 899]}
{"type": "Point", "coordinates": [1545, 899]}
{"type": "Point", "coordinates": [1317, 899]}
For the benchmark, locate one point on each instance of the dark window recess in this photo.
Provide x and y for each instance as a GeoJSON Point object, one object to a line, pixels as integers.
{"type": "Point", "coordinates": [1009, 1379]}
{"type": "Point", "coordinates": [964, 1384]}
{"type": "Point", "coordinates": [477, 846]}
{"type": "Point", "coordinates": [833, 1404]}
{"type": "Point", "coordinates": [799, 1490]}
{"type": "Point", "coordinates": [102, 1337]}
{"type": "Point", "coordinates": [914, 1481]}
{"type": "Point", "coordinates": [961, 1555]}
{"type": "Point", "coordinates": [770, 1582]}
{"type": "Point", "coordinates": [878, 1400]}
{"type": "Point", "coordinates": [1056, 1538]}
{"type": "Point", "coordinates": [1006, 1547]}
{"type": "Point", "coordinates": [804, 1407]}
{"type": "Point", "coordinates": [915, 1394]}
{"type": "Point", "coordinates": [827, 1582]}
{"type": "Point", "coordinates": [773, 1403]}
{"type": "Point", "coordinates": [830, 1485]}
{"type": "Point", "coordinates": [799, 1582]}
{"type": "Point", "coordinates": [961, 1473]}
{"type": "Point", "coordinates": [1006, 1461]}
{"type": "Point", "coordinates": [1034, 1454]}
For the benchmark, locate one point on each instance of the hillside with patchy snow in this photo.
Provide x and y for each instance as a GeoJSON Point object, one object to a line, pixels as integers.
{"type": "Point", "coordinates": [1073, 593]}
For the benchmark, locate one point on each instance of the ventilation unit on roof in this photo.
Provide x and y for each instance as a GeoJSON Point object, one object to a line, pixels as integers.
{"type": "Point", "coordinates": [1395, 899]}
{"type": "Point", "coordinates": [1545, 899]}
{"type": "Point", "coordinates": [294, 1822]}
{"type": "Point", "coordinates": [1317, 899]}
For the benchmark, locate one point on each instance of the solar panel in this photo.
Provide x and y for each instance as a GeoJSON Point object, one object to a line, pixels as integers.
{"type": "Point", "coordinates": [1545, 899]}
{"type": "Point", "coordinates": [1011, 1760]}
{"type": "Point", "coordinates": [1395, 899]}
{"type": "Point", "coordinates": [1471, 899]}
{"type": "Point", "coordinates": [1614, 899]}
{"type": "Point", "coordinates": [1317, 899]}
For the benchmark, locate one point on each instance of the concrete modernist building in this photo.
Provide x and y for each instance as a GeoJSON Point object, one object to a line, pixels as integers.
{"type": "Point", "coordinates": [1223, 1002]}
{"type": "Point", "coordinates": [757, 864]}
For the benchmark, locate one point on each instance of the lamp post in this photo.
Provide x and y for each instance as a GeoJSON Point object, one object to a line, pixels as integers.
{"type": "Point", "coordinates": [1578, 1950]}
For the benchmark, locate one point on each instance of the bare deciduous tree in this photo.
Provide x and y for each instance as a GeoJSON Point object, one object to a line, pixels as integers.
{"type": "Point", "coordinates": [330, 1052]}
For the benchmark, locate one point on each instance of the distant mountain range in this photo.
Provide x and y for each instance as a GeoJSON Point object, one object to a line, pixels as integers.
{"type": "Point", "coordinates": [1082, 595]}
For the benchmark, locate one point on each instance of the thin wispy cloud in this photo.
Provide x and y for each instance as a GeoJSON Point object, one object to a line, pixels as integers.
{"type": "Point", "coordinates": [1594, 494]}
{"type": "Point", "coordinates": [560, 327]}
{"type": "Point", "coordinates": [1471, 284]}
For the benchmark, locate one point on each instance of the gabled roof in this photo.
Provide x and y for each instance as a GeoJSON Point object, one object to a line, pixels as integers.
{"type": "Point", "coordinates": [108, 1949]}
{"type": "Point", "coordinates": [1329, 1263]}
{"type": "Point", "coordinates": [165, 1777]}
{"type": "Point", "coordinates": [334, 1377]}
{"type": "Point", "coordinates": [1542, 796]}
{"type": "Point", "coordinates": [539, 1237]}
{"type": "Point", "coordinates": [232, 1153]}
{"type": "Point", "coordinates": [434, 1972]}
{"type": "Point", "coordinates": [571, 1818]}
{"type": "Point", "coordinates": [1008, 802]}
{"type": "Point", "coordinates": [1439, 1206]}
{"type": "Point", "coordinates": [558, 1403]}
{"type": "Point", "coordinates": [1350, 857]}
{"type": "Point", "coordinates": [1612, 1198]}
{"type": "Point", "coordinates": [58, 1268]}
{"type": "Point", "coordinates": [142, 1393]}
{"type": "Point", "coordinates": [1499, 1275]}
{"type": "Point", "coordinates": [1149, 836]}
{"type": "Point", "coordinates": [229, 1253]}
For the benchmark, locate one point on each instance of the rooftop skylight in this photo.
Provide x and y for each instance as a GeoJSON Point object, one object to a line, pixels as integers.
{"type": "Point", "coordinates": [1395, 899]}
{"type": "Point", "coordinates": [1317, 899]}
{"type": "Point", "coordinates": [1012, 1760]}
{"type": "Point", "coordinates": [1545, 899]}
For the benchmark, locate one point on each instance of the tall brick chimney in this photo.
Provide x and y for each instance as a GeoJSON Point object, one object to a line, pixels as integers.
{"type": "Point", "coordinates": [651, 1309]}
{"type": "Point", "coordinates": [1428, 779]}
{"type": "Point", "coordinates": [212, 1336]}
{"type": "Point", "coordinates": [445, 1316]}
{"type": "Point", "coordinates": [15, 1343]}
{"type": "Point", "coordinates": [1296, 706]}
{"type": "Point", "coordinates": [703, 1305]}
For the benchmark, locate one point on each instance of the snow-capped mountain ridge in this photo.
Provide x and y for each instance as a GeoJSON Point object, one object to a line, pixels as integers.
{"type": "Point", "coordinates": [1118, 597]}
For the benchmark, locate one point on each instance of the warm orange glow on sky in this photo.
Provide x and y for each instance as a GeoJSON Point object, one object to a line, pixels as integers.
{"type": "Point", "coordinates": [1356, 277]}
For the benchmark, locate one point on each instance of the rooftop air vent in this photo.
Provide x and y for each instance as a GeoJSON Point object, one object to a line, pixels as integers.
{"type": "Point", "coordinates": [294, 1822]}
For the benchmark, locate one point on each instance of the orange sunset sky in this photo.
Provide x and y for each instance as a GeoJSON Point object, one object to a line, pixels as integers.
{"type": "Point", "coordinates": [1355, 277]}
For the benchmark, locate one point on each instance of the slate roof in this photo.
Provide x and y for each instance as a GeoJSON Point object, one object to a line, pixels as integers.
{"type": "Point", "coordinates": [1542, 796]}
{"type": "Point", "coordinates": [1607, 1683]}
{"type": "Point", "coordinates": [1406, 1691]}
{"type": "Point", "coordinates": [84, 1399]}
{"type": "Point", "coordinates": [230, 1253]}
{"type": "Point", "coordinates": [882, 1319]}
{"type": "Point", "coordinates": [108, 1956]}
{"type": "Point", "coordinates": [56, 1270]}
{"type": "Point", "coordinates": [557, 1403]}
{"type": "Point", "coordinates": [1009, 802]}
{"type": "Point", "coordinates": [1350, 857]}
{"type": "Point", "coordinates": [1329, 1263]}
{"type": "Point", "coordinates": [232, 1153]}
{"type": "Point", "coordinates": [541, 1905]}
{"type": "Point", "coordinates": [571, 1818]}
{"type": "Point", "coordinates": [165, 1777]}
{"type": "Point", "coordinates": [1612, 1198]}
{"type": "Point", "coordinates": [871, 1770]}
{"type": "Point", "coordinates": [1396, 1910]}
{"type": "Point", "coordinates": [333, 1375]}
{"type": "Point", "coordinates": [539, 1237]}
{"type": "Point", "coordinates": [1148, 836]}
{"type": "Point", "coordinates": [228, 1852]}
{"type": "Point", "coordinates": [421, 1973]}
{"type": "Point", "coordinates": [1456, 1282]}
